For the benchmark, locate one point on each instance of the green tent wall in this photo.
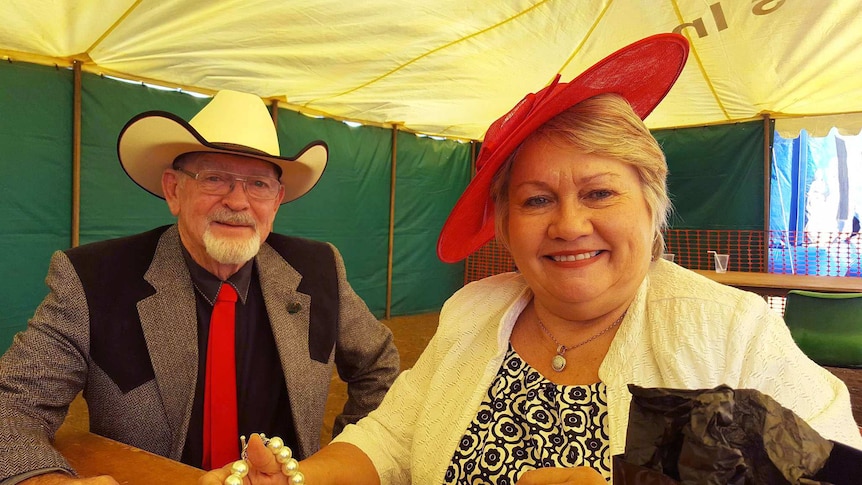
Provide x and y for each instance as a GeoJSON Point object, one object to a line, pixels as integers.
{"type": "Point", "coordinates": [35, 148]}
{"type": "Point", "coordinates": [716, 175]}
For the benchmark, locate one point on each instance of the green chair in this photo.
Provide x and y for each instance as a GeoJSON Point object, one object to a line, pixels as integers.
{"type": "Point", "coordinates": [826, 326]}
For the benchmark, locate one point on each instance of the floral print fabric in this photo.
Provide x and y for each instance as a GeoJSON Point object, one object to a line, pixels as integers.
{"type": "Point", "coordinates": [527, 422]}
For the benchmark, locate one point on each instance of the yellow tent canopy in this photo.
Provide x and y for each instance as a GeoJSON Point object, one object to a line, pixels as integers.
{"type": "Point", "coordinates": [450, 67]}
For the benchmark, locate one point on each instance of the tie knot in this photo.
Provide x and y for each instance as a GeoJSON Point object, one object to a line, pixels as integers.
{"type": "Point", "coordinates": [226, 293]}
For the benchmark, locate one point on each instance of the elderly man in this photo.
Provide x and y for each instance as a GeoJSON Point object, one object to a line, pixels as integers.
{"type": "Point", "coordinates": [185, 337]}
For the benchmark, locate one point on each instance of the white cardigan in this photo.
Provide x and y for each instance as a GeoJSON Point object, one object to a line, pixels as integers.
{"type": "Point", "coordinates": [681, 331]}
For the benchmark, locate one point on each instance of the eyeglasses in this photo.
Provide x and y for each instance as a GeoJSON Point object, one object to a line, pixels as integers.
{"type": "Point", "coordinates": [215, 182]}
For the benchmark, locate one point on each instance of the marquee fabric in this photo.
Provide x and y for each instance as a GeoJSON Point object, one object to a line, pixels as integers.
{"type": "Point", "coordinates": [450, 67]}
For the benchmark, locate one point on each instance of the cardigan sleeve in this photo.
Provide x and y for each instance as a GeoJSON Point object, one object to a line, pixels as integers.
{"type": "Point", "coordinates": [411, 436]}
{"type": "Point", "coordinates": [684, 331]}
{"type": "Point", "coordinates": [386, 434]}
{"type": "Point", "coordinates": [775, 365]}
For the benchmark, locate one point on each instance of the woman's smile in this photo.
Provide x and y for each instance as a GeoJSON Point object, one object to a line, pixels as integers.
{"type": "Point", "coordinates": [565, 258]}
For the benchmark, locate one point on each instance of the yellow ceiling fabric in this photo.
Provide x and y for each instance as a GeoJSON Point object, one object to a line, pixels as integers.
{"type": "Point", "coordinates": [450, 67]}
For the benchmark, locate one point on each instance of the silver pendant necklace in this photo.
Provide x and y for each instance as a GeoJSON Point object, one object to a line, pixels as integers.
{"type": "Point", "coordinates": [558, 363]}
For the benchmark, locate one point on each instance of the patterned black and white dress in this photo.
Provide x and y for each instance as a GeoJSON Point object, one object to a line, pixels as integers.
{"type": "Point", "coordinates": [527, 422]}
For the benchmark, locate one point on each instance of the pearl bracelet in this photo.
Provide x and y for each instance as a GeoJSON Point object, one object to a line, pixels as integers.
{"type": "Point", "coordinates": [283, 454]}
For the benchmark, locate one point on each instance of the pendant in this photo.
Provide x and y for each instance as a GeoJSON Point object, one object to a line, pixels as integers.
{"type": "Point", "coordinates": [558, 363]}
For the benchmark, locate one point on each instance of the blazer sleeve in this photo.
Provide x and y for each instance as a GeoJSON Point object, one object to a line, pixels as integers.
{"type": "Point", "coordinates": [365, 354]}
{"type": "Point", "coordinates": [41, 373]}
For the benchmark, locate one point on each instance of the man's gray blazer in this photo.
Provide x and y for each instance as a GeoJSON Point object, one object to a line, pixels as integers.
{"type": "Point", "coordinates": [49, 363]}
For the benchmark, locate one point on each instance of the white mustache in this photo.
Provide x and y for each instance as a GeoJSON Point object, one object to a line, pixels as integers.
{"type": "Point", "coordinates": [230, 217]}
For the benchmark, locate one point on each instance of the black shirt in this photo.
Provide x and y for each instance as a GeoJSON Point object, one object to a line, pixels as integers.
{"type": "Point", "coordinates": [262, 401]}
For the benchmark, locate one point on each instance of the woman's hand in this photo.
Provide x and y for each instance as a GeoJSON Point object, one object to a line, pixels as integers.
{"type": "Point", "coordinates": [335, 464]}
{"type": "Point", "coordinates": [263, 467]}
{"type": "Point", "coordinates": [562, 476]}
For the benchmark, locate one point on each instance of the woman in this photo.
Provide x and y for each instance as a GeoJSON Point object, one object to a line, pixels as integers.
{"type": "Point", "coordinates": [526, 378]}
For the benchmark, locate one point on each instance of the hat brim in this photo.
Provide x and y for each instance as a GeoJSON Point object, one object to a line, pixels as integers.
{"type": "Point", "coordinates": [151, 141]}
{"type": "Point", "coordinates": [642, 73]}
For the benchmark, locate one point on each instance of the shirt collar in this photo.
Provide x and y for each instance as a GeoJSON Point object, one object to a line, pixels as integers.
{"type": "Point", "coordinates": [208, 285]}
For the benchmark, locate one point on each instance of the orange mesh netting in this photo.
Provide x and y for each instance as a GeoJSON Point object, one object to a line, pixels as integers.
{"type": "Point", "coordinates": [490, 259]}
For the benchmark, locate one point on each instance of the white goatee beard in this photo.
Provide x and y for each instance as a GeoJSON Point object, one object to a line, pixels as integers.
{"type": "Point", "coordinates": [232, 250]}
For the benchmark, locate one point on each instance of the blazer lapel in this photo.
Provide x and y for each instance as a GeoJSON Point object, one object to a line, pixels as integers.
{"type": "Point", "coordinates": [288, 309]}
{"type": "Point", "coordinates": [169, 321]}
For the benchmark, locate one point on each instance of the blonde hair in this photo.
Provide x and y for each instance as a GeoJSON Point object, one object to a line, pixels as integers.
{"type": "Point", "coordinates": [603, 125]}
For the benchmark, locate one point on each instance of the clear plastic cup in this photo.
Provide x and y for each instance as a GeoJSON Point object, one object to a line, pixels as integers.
{"type": "Point", "coordinates": [721, 262]}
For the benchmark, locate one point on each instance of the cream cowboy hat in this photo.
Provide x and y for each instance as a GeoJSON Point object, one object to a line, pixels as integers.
{"type": "Point", "coordinates": [231, 122]}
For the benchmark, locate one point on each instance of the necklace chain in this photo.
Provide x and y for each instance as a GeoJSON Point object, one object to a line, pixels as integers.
{"type": "Point", "coordinates": [562, 349]}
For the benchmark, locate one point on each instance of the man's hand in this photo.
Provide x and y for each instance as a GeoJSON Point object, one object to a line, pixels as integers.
{"type": "Point", "coordinates": [264, 469]}
{"type": "Point", "coordinates": [63, 479]}
{"type": "Point", "coordinates": [562, 476]}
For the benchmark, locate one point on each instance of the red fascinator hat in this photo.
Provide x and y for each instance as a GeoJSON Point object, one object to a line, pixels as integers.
{"type": "Point", "coordinates": [642, 73]}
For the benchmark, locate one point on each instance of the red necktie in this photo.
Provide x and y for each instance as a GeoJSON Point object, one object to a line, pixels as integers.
{"type": "Point", "coordinates": [221, 442]}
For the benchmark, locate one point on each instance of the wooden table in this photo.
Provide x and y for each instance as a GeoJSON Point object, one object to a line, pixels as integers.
{"type": "Point", "coordinates": [93, 455]}
{"type": "Point", "coordinates": [774, 284]}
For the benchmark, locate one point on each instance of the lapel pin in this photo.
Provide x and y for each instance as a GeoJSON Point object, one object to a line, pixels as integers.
{"type": "Point", "coordinates": [293, 308]}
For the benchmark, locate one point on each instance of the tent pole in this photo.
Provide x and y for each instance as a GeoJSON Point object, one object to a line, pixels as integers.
{"type": "Point", "coordinates": [76, 154]}
{"type": "Point", "coordinates": [472, 159]}
{"type": "Point", "coordinates": [388, 312]}
{"type": "Point", "coordinates": [273, 108]}
{"type": "Point", "coordinates": [767, 176]}
{"type": "Point", "coordinates": [473, 144]}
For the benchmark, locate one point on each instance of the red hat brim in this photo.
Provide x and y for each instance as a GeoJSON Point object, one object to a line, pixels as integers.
{"type": "Point", "coordinates": [642, 73]}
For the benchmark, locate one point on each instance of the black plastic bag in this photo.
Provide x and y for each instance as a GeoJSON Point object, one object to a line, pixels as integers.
{"type": "Point", "coordinates": [725, 436]}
